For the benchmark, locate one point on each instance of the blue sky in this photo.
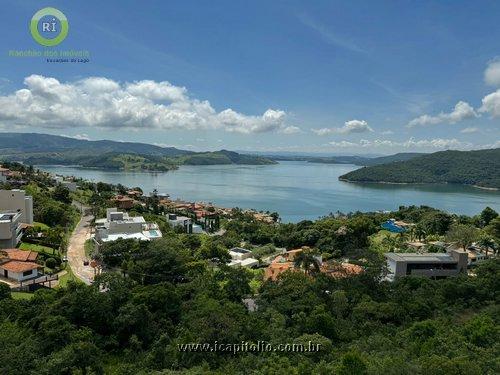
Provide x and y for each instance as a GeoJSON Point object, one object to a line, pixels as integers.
{"type": "Point", "coordinates": [318, 76]}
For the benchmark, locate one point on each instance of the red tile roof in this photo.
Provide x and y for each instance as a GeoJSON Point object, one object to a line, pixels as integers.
{"type": "Point", "coordinates": [15, 266]}
{"type": "Point", "coordinates": [21, 255]}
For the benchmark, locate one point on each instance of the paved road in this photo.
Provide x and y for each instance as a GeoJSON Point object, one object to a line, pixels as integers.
{"type": "Point", "coordinates": [76, 250]}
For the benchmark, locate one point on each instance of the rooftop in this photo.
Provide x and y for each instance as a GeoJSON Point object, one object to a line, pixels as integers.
{"type": "Point", "coordinates": [21, 255]}
{"type": "Point", "coordinates": [421, 258]}
{"type": "Point", "coordinates": [17, 266]}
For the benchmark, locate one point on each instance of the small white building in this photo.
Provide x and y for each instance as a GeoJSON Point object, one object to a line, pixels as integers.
{"type": "Point", "coordinates": [16, 200]}
{"type": "Point", "coordinates": [20, 265]}
{"type": "Point", "coordinates": [242, 258]}
{"type": "Point", "coordinates": [119, 224]}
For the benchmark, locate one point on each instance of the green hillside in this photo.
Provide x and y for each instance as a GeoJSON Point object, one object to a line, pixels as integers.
{"type": "Point", "coordinates": [40, 149]}
{"type": "Point", "coordinates": [479, 168]}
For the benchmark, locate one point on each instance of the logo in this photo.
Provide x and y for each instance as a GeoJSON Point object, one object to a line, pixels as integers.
{"type": "Point", "coordinates": [49, 27]}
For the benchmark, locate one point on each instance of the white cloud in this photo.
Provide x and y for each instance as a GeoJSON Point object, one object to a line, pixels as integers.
{"type": "Point", "coordinates": [104, 103]}
{"type": "Point", "coordinates": [352, 126]}
{"type": "Point", "coordinates": [462, 111]}
{"type": "Point", "coordinates": [387, 132]}
{"type": "Point", "coordinates": [492, 73]}
{"type": "Point", "coordinates": [491, 104]}
{"type": "Point", "coordinates": [291, 130]}
{"type": "Point", "coordinates": [469, 130]}
{"type": "Point", "coordinates": [409, 145]}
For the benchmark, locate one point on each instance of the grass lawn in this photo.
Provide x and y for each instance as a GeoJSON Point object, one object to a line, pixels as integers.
{"type": "Point", "coordinates": [37, 248]}
{"type": "Point", "coordinates": [21, 295]}
{"type": "Point", "coordinates": [40, 225]}
{"type": "Point", "coordinates": [89, 247]}
{"type": "Point", "coordinates": [69, 276]}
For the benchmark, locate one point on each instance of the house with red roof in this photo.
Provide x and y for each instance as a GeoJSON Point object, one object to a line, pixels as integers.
{"type": "Point", "coordinates": [18, 264]}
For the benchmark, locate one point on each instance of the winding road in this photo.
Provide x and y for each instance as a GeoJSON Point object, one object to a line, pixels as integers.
{"type": "Point", "coordinates": [76, 250]}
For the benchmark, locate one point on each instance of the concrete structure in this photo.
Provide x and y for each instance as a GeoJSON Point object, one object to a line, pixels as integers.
{"type": "Point", "coordinates": [119, 224]}
{"type": "Point", "coordinates": [185, 222]}
{"type": "Point", "coordinates": [70, 185]}
{"type": "Point", "coordinates": [474, 257]}
{"type": "Point", "coordinates": [16, 200]}
{"type": "Point", "coordinates": [19, 265]}
{"type": "Point", "coordinates": [10, 229]}
{"type": "Point", "coordinates": [435, 265]}
{"type": "Point", "coordinates": [242, 258]}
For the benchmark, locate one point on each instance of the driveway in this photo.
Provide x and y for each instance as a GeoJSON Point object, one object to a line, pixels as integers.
{"type": "Point", "coordinates": [76, 250]}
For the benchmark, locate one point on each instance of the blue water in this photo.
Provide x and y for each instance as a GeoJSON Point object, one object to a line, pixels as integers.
{"type": "Point", "coordinates": [296, 190]}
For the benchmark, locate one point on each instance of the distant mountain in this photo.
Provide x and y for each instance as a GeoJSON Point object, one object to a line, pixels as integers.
{"type": "Point", "coordinates": [479, 168]}
{"type": "Point", "coordinates": [33, 148]}
{"type": "Point", "coordinates": [14, 143]}
{"type": "Point", "coordinates": [345, 159]}
{"type": "Point", "coordinates": [402, 156]}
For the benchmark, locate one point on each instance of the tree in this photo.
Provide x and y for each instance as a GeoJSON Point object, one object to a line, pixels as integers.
{"type": "Point", "coordinates": [307, 261]}
{"type": "Point", "coordinates": [61, 194]}
{"type": "Point", "coordinates": [463, 235]}
{"type": "Point", "coordinates": [487, 215]}
{"type": "Point", "coordinates": [352, 364]}
{"type": "Point", "coordinates": [4, 291]}
{"type": "Point", "coordinates": [486, 243]}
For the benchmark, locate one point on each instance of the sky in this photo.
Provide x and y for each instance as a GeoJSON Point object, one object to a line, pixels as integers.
{"type": "Point", "coordinates": [338, 77]}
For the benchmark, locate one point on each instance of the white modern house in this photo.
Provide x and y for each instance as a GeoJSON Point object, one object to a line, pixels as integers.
{"type": "Point", "coordinates": [242, 258]}
{"type": "Point", "coordinates": [67, 183]}
{"type": "Point", "coordinates": [16, 200]}
{"type": "Point", "coordinates": [433, 265]}
{"type": "Point", "coordinates": [185, 222]}
{"type": "Point", "coordinates": [118, 224]}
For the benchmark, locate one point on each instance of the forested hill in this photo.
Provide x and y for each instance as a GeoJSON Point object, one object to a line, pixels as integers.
{"type": "Point", "coordinates": [33, 149]}
{"type": "Point", "coordinates": [479, 168]}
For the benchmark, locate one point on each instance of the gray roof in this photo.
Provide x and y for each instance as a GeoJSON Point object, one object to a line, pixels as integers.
{"type": "Point", "coordinates": [421, 258]}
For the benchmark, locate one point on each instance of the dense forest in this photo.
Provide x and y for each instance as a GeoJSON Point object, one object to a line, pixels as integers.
{"type": "Point", "coordinates": [479, 168]}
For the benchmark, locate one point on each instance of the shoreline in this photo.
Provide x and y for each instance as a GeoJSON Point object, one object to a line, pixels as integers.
{"type": "Point", "coordinates": [417, 183]}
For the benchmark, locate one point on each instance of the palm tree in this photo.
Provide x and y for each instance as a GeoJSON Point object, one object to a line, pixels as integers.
{"type": "Point", "coordinates": [308, 262]}
{"type": "Point", "coordinates": [420, 232]}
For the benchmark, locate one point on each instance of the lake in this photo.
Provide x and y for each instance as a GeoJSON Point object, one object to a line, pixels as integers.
{"type": "Point", "coordinates": [296, 190]}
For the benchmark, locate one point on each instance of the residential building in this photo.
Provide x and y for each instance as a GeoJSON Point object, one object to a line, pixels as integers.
{"type": "Point", "coordinates": [118, 224]}
{"type": "Point", "coordinates": [474, 257]}
{"type": "Point", "coordinates": [19, 265]}
{"type": "Point", "coordinates": [242, 258]}
{"type": "Point", "coordinates": [340, 270]}
{"type": "Point", "coordinates": [281, 264]}
{"type": "Point", "coordinates": [16, 200]}
{"type": "Point", "coordinates": [435, 265]}
{"type": "Point", "coordinates": [11, 229]}
{"type": "Point", "coordinates": [70, 185]}
{"type": "Point", "coordinates": [123, 202]}
{"type": "Point", "coordinates": [185, 222]}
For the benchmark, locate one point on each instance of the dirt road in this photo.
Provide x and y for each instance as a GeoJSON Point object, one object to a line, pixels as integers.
{"type": "Point", "coordinates": [76, 250]}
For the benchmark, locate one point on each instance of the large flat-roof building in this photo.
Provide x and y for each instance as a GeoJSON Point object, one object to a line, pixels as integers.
{"type": "Point", "coordinates": [434, 265]}
{"type": "Point", "coordinates": [119, 224]}
{"type": "Point", "coordinates": [16, 200]}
